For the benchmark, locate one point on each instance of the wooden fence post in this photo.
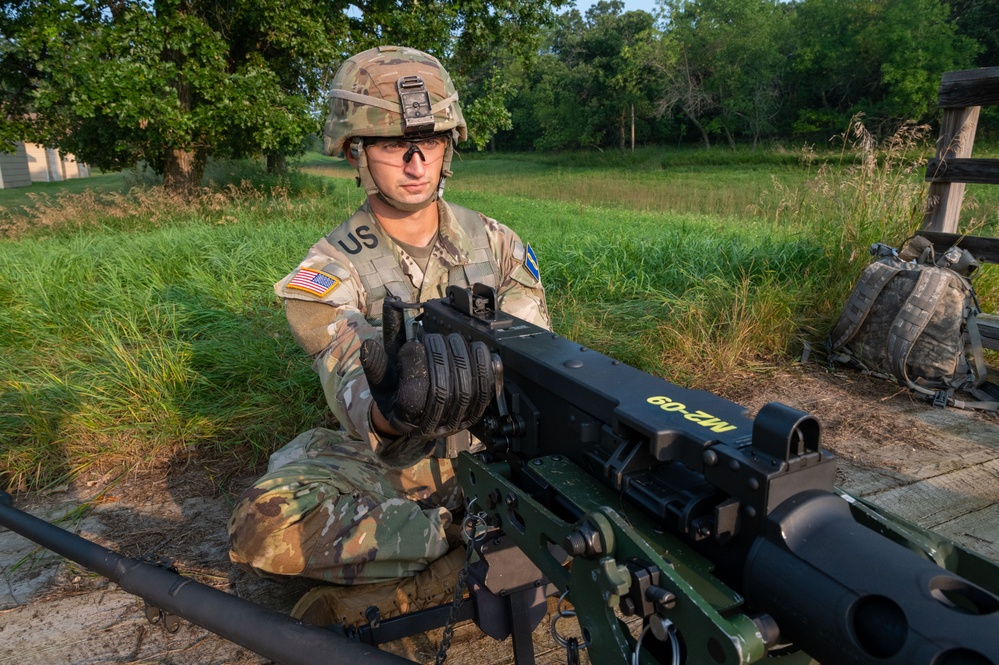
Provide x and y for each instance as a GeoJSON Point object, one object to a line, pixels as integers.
{"type": "Point", "coordinates": [957, 137]}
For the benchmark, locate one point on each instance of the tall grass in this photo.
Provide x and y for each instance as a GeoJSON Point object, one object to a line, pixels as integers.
{"type": "Point", "coordinates": [711, 300]}
{"type": "Point", "coordinates": [876, 195]}
{"type": "Point", "coordinates": [135, 327]}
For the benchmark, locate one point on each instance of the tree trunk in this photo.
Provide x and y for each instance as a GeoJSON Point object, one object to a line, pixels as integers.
{"type": "Point", "coordinates": [183, 166]}
{"type": "Point", "coordinates": [277, 163]}
{"type": "Point", "coordinates": [621, 125]}
{"type": "Point", "coordinates": [730, 138]}
{"type": "Point", "coordinates": [183, 170]}
{"type": "Point", "coordinates": [632, 128]}
{"type": "Point", "coordinates": [700, 128]}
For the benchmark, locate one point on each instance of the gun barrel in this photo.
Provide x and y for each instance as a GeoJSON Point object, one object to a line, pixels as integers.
{"type": "Point", "coordinates": [849, 595]}
{"type": "Point", "coordinates": [267, 632]}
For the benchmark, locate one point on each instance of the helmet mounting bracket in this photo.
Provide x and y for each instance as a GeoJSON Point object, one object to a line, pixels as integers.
{"type": "Point", "coordinates": [417, 117]}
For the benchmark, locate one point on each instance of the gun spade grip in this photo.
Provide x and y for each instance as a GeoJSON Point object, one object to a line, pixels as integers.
{"type": "Point", "coordinates": [393, 326]}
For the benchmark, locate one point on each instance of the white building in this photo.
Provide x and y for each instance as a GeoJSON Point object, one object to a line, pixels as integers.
{"type": "Point", "coordinates": [14, 168]}
{"type": "Point", "coordinates": [35, 163]}
{"type": "Point", "coordinates": [44, 163]}
{"type": "Point", "coordinates": [74, 169]}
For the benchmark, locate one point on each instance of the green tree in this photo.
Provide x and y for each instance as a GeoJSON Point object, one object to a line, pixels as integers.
{"type": "Point", "coordinates": [584, 90]}
{"type": "Point", "coordinates": [721, 63]}
{"type": "Point", "coordinates": [883, 59]}
{"type": "Point", "coordinates": [609, 47]}
{"type": "Point", "coordinates": [542, 105]}
{"type": "Point", "coordinates": [488, 112]}
{"type": "Point", "coordinates": [17, 71]}
{"type": "Point", "coordinates": [750, 38]}
{"type": "Point", "coordinates": [682, 88]}
{"type": "Point", "coordinates": [173, 82]}
{"type": "Point", "coordinates": [978, 20]}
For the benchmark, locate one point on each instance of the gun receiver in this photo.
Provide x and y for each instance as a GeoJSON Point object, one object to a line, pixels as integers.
{"type": "Point", "coordinates": [725, 533]}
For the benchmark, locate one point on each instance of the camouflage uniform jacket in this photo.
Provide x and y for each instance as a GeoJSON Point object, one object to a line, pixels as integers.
{"type": "Point", "coordinates": [333, 300]}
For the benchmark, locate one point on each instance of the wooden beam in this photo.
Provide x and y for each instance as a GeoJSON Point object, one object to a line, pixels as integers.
{"type": "Point", "coordinates": [988, 327]}
{"type": "Point", "coordinates": [984, 249]}
{"type": "Point", "coordinates": [982, 171]}
{"type": "Point", "coordinates": [969, 87]}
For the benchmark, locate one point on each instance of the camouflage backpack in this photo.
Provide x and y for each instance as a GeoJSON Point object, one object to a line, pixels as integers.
{"type": "Point", "coordinates": [912, 318]}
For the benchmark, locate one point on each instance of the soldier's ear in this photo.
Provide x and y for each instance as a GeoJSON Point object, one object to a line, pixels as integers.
{"type": "Point", "coordinates": [352, 151]}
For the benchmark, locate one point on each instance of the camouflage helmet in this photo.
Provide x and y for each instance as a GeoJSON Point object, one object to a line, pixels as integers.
{"type": "Point", "coordinates": [389, 92]}
{"type": "Point", "coordinates": [367, 93]}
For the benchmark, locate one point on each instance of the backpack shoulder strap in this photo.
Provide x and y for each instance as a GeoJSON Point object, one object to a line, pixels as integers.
{"type": "Point", "coordinates": [911, 321]}
{"type": "Point", "coordinates": [858, 306]}
{"type": "Point", "coordinates": [975, 341]}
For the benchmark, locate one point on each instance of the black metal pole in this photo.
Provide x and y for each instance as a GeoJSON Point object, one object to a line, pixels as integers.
{"type": "Point", "coordinates": [267, 632]}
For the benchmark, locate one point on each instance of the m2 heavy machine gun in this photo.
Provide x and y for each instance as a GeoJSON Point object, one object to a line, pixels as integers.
{"type": "Point", "coordinates": [682, 531]}
{"type": "Point", "coordinates": [724, 534]}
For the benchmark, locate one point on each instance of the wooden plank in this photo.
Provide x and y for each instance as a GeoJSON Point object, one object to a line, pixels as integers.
{"type": "Point", "coordinates": [873, 475]}
{"type": "Point", "coordinates": [957, 136]}
{"type": "Point", "coordinates": [962, 506]}
{"type": "Point", "coordinates": [988, 328]}
{"type": "Point", "coordinates": [943, 498]}
{"type": "Point", "coordinates": [978, 530]}
{"type": "Point", "coordinates": [982, 171]}
{"type": "Point", "coordinates": [984, 249]}
{"type": "Point", "coordinates": [969, 87]}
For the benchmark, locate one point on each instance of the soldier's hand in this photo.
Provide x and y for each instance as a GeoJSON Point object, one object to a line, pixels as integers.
{"type": "Point", "coordinates": [431, 388]}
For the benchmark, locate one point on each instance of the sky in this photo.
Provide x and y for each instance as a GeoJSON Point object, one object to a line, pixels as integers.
{"type": "Point", "coordinates": [629, 5]}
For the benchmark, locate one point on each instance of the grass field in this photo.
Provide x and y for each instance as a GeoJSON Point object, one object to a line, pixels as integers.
{"type": "Point", "coordinates": [135, 326]}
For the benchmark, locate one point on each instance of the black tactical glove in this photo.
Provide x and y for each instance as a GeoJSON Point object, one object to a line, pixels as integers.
{"type": "Point", "coordinates": [431, 388]}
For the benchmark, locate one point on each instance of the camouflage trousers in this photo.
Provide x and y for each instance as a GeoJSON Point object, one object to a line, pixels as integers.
{"type": "Point", "coordinates": [329, 509]}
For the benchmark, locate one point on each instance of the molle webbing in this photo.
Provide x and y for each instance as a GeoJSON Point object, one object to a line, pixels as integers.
{"type": "Point", "coordinates": [860, 302]}
{"type": "Point", "coordinates": [481, 267]}
{"type": "Point", "coordinates": [379, 269]}
{"type": "Point", "coordinates": [917, 323]}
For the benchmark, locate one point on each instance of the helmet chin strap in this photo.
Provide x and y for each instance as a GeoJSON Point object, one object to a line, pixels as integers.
{"type": "Point", "coordinates": [365, 180]}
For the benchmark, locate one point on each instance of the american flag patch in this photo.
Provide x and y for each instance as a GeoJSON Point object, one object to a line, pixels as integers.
{"type": "Point", "coordinates": [315, 282]}
{"type": "Point", "coordinates": [531, 263]}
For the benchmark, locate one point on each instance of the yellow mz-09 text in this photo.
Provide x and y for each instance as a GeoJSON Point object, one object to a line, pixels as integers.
{"type": "Point", "coordinates": [702, 418]}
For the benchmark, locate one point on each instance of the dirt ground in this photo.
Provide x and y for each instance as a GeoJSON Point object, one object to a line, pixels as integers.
{"type": "Point", "coordinates": [936, 467]}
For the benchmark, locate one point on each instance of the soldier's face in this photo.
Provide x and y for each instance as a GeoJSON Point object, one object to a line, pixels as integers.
{"type": "Point", "coordinates": [409, 179]}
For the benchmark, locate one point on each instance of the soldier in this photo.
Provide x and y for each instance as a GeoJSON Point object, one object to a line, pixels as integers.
{"type": "Point", "coordinates": [372, 504]}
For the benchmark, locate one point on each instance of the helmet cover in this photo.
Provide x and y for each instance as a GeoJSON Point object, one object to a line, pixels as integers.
{"type": "Point", "coordinates": [366, 101]}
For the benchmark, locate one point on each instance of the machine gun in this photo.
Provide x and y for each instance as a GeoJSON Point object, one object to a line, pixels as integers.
{"type": "Point", "coordinates": [725, 534]}
{"type": "Point", "coordinates": [721, 537]}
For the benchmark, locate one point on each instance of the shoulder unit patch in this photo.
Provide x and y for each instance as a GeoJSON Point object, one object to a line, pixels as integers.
{"type": "Point", "coordinates": [315, 282]}
{"type": "Point", "coordinates": [531, 263]}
